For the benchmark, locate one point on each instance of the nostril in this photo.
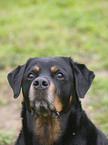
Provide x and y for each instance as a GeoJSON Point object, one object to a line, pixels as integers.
{"type": "Point", "coordinates": [41, 83]}
{"type": "Point", "coordinates": [36, 83]}
{"type": "Point", "coordinates": [44, 83]}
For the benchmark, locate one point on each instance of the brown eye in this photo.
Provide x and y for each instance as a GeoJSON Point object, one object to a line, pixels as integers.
{"type": "Point", "coordinates": [60, 75]}
{"type": "Point", "coordinates": [30, 76]}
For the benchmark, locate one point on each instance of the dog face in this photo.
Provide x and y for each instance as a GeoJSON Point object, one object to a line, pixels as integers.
{"type": "Point", "coordinates": [50, 83]}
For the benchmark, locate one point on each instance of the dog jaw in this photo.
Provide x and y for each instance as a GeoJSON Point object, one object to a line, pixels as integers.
{"type": "Point", "coordinates": [45, 103]}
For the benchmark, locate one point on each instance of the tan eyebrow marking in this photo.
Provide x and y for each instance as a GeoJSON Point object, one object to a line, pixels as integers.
{"type": "Point", "coordinates": [36, 68]}
{"type": "Point", "coordinates": [54, 68]}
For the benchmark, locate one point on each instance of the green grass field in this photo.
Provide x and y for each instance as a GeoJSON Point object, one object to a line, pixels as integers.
{"type": "Point", "coordinates": [75, 28]}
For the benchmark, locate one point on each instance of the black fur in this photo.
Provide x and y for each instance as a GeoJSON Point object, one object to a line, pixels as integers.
{"type": "Point", "coordinates": [76, 128]}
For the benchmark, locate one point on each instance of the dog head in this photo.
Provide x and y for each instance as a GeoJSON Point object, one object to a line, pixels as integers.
{"type": "Point", "coordinates": [49, 84]}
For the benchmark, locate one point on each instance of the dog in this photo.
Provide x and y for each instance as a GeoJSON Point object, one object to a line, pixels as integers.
{"type": "Point", "coordinates": [51, 109]}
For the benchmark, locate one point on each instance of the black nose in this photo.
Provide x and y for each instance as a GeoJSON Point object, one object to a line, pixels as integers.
{"type": "Point", "coordinates": [41, 83]}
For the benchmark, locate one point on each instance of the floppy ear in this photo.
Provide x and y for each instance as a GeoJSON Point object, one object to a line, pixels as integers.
{"type": "Point", "coordinates": [15, 79]}
{"type": "Point", "coordinates": [83, 78]}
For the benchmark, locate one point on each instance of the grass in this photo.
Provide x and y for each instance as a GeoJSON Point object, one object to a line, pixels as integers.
{"type": "Point", "coordinates": [6, 137]}
{"type": "Point", "coordinates": [44, 28]}
{"type": "Point", "coordinates": [32, 28]}
{"type": "Point", "coordinates": [99, 102]}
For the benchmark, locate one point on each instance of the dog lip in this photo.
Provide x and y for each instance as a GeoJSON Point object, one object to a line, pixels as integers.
{"type": "Point", "coordinates": [40, 104]}
{"type": "Point", "coordinates": [44, 107]}
{"type": "Point", "coordinates": [43, 110]}
{"type": "Point", "coordinates": [39, 98]}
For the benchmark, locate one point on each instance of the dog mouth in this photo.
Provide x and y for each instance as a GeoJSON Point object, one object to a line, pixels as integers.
{"type": "Point", "coordinates": [44, 102]}
{"type": "Point", "coordinates": [41, 107]}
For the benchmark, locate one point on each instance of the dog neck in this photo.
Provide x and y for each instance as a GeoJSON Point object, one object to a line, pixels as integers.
{"type": "Point", "coordinates": [47, 129]}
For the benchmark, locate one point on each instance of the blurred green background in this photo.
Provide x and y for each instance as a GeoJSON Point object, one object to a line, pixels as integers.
{"type": "Point", "coordinates": [31, 28]}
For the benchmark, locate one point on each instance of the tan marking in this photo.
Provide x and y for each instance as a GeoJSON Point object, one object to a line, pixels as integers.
{"type": "Point", "coordinates": [31, 95]}
{"type": "Point", "coordinates": [57, 104]}
{"type": "Point", "coordinates": [47, 129]}
{"type": "Point", "coordinates": [52, 87]}
{"type": "Point", "coordinates": [36, 68]}
{"type": "Point", "coordinates": [70, 99]}
{"type": "Point", "coordinates": [54, 68]}
{"type": "Point", "coordinates": [50, 93]}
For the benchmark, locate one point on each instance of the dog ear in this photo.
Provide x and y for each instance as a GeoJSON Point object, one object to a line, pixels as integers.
{"type": "Point", "coordinates": [83, 78]}
{"type": "Point", "coordinates": [15, 79]}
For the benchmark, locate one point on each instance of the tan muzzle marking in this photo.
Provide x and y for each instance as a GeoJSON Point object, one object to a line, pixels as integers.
{"type": "Point", "coordinates": [57, 104]}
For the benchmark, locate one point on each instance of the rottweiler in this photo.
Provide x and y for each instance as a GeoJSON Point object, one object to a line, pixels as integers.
{"type": "Point", "coordinates": [51, 109]}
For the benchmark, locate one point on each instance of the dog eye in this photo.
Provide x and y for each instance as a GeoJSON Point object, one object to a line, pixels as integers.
{"type": "Point", "coordinates": [60, 75]}
{"type": "Point", "coordinates": [30, 76]}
